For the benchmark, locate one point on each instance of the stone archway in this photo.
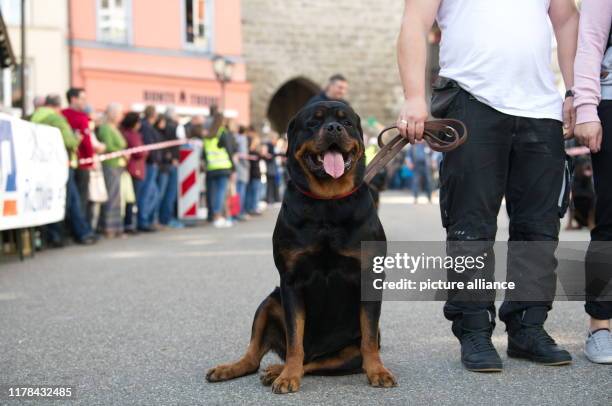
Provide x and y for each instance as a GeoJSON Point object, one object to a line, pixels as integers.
{"type": "Point", "coordinates": [288, 100]}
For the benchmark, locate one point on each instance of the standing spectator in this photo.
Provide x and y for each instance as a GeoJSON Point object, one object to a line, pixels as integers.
{"type": "Point", "coordinates": [130, 126]}
{"type": "Point", "coordinates": [241, 163]}
{"type": "Point", "coordinates": [37, 102]}
{"type": "Point", "coordinates": [593, 87]}
{"type": "Point", "coordinates": [272, 192]}
{"type": "Point", "coordinates": [217, 154]}
{"type": "Point", "coordinates": [418, 160]}
{"type": "Point", "coordinates": [193, 127]}
{"type": "Point", "coordinates": [336, 90]}
{"type": "Point", "coordinates": [163, 171]}
{"type": "Point", "coordinates": [79, 121]}
{"type": "Point", "coordinates": [50, 114]}
{"type": "Point", "coordinates": [150, 191]}
{"type": "Point", "coordinates": [168, 188]}
{"type": "Point", "coordinates": [254, 186]}
{"type": "Point", "coordinates": [97, 194]}
{"type": "Point", "coordinates": [110, 135]}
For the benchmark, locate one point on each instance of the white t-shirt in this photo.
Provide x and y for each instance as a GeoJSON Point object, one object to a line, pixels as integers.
{"type": "Point", "coordinates": [500, 52]}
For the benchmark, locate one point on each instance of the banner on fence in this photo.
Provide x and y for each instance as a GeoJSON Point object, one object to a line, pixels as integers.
{"type": "Point", "coordinates": [33, 174]}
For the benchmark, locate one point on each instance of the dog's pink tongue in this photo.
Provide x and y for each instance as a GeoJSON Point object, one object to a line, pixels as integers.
{"type": "Point", "coordinates": [333, 163]}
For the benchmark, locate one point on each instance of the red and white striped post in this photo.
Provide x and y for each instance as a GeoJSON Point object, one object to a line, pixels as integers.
{"type": "Point", "coordinates": [189, 180]}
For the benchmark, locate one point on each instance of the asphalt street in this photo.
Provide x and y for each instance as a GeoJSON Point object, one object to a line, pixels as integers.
{"type": "Point", "coordinates": [139, 321]}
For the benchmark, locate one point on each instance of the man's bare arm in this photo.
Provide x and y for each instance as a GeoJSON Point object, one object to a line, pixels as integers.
{"type": "Point", "coordinates": [419, 16]}
{"type": "Point", "coordinates": [564, 17]}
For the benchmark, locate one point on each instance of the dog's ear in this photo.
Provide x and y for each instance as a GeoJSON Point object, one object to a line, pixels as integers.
{"type": "Point", "coordinates": [291, 126]}
{"type": "Point", "coordinates": [359, 126]}
{"type": "Point", "coordinates": [291, 132]}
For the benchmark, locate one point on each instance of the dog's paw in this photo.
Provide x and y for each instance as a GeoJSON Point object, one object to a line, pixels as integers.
{"type": "Point", "coordinates": [221, 373]}
{"type": "Point", "coordinates": [270, 374]}
{"type": "Point", "coordinates": [286, 384]}
{"type": "Point", "coordinates": [381, 378]}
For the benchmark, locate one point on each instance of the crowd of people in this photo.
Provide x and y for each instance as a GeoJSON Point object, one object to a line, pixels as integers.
{"type": "Point", "coordinates": [113, 195]}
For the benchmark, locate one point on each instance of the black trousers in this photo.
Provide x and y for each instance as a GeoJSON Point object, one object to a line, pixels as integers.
{"type": "Point", "coordinates": [522, 159]}
{"type": "Point", "coordinates": [599, 255]}
{"type": "Point", "coordinates": [272, 192]}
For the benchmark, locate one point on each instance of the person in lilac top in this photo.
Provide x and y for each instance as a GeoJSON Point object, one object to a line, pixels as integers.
{"type": "Point", "coordinates": [593, 102]}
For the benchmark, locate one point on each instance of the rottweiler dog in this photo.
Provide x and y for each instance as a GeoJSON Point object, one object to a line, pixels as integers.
{"type": "Point", "coordinates": [583, 195]}
{"type": "Point", "coordinates": [316, 321]}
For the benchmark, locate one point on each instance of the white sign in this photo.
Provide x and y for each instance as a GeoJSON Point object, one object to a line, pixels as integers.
{"type": "Point", "coordinates": [33, 174]}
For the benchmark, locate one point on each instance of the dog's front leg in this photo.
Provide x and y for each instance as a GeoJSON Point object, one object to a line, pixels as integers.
{"type": "Point", "coordinates": [293, 306]}
{"type": "Point", "coordinates": [377, 374]}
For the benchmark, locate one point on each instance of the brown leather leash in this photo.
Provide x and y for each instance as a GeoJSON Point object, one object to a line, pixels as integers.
{"type": "Point", "coordinates": [441, 135]}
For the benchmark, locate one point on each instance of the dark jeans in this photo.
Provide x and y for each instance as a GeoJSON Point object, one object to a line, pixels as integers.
{"type": "Point", "coordinates": [599, 255]}
{"type": "Point", "coordinates": [216, 189]}
{"type": "Point", "coordinates": [81, 177]}
{"type": "Point", "coordinates": [252, 195]}
{"type": "Point", "coordinates": [421, 173]}
{"type": "Point", "coordinates": [241, 187]}
{"type": "Point", "coordinates": [149, 196]}
{"type": "Point", "coordinates": [168, 191]}
{"type": "Point", "coordinates": [74, 214]}
{"type": "Point", "coordinates": [522, 159]}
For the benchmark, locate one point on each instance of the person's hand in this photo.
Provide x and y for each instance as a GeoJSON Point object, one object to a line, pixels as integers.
{"type": "Point", "coordinates": [569, 117]}
{"type": "Point", "coordinates": [411, 120]}
{"type": "Point", "coordinates": [589, 135]}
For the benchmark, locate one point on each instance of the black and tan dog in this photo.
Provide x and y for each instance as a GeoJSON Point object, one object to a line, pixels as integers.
{"type": "Point", "coordinates": [316, 321]}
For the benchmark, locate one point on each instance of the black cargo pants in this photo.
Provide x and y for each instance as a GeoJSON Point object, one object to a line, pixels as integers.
{"type": "Point", "coordinates": [522, 159]}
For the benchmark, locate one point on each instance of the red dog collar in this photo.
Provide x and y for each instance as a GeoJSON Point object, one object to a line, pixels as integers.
{"type": "Point", "coordinates": [336, 197]}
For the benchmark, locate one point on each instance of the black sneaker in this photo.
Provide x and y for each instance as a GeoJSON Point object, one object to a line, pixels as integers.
{"type": "Point", "coordinates": [527, 339]}
{"type": "Point", "coordinates": [88, 240]}
{"type": "Point", "coordinates": [477, 351]}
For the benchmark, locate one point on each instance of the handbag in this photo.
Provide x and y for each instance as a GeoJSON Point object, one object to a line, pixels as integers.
{"type": "Point", "coordinates": [127, 188]}
{"type": "Point", "coordinates": [97, 187]}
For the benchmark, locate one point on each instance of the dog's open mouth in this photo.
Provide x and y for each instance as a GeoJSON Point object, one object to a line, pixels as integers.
{"type": "Point", "coordinates": [332, 162]}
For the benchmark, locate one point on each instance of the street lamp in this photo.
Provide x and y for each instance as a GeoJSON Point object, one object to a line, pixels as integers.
{"type": "Point", "coordinates": [223, 68]}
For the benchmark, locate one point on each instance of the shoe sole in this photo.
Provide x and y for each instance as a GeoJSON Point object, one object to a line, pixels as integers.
{"type": "Point", "coordinates": [482, 368]}
{"type": "Point", "coordinates": [542, 361]}
{"type": "Point", "coordinates": [601, 361]}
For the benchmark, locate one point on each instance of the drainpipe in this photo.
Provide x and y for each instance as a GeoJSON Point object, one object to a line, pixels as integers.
{"type": "Point", "coordinates": [69, 3]}
{"type": "Point", "coordinates": [23, 61]}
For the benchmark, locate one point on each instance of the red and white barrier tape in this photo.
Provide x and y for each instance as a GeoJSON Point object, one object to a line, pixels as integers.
{"type": "Point", "coordinates": [130, 151]}
{"type": "Point", "coordinates": [167, 144]}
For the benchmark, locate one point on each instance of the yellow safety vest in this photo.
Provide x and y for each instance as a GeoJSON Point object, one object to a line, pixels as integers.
{"type": "Point", "coordinates": [216, 157]}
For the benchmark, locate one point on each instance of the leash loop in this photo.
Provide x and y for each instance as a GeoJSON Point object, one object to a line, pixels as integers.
{"type": "Point", "coordinates": [441, 135]}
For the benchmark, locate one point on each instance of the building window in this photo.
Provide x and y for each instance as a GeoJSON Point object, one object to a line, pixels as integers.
{"type": "Point", "coordinates": [113, 21]}
{"type": "Point", "coordinates": [11, 12]}
{"type": "Point", "coordinates": [10, 86]}
{"type": "Point", "coordinates": [197, 24]}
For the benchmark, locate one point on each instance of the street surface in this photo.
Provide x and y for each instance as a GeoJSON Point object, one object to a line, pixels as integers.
{"type": "Point", "coordinates": [139, 321]}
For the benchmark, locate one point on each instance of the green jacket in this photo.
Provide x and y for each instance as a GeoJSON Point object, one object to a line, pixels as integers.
{"type": "Point", "coordinates": [48, 116]}
{"type": "Point", "coordinates": [114, 141]}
